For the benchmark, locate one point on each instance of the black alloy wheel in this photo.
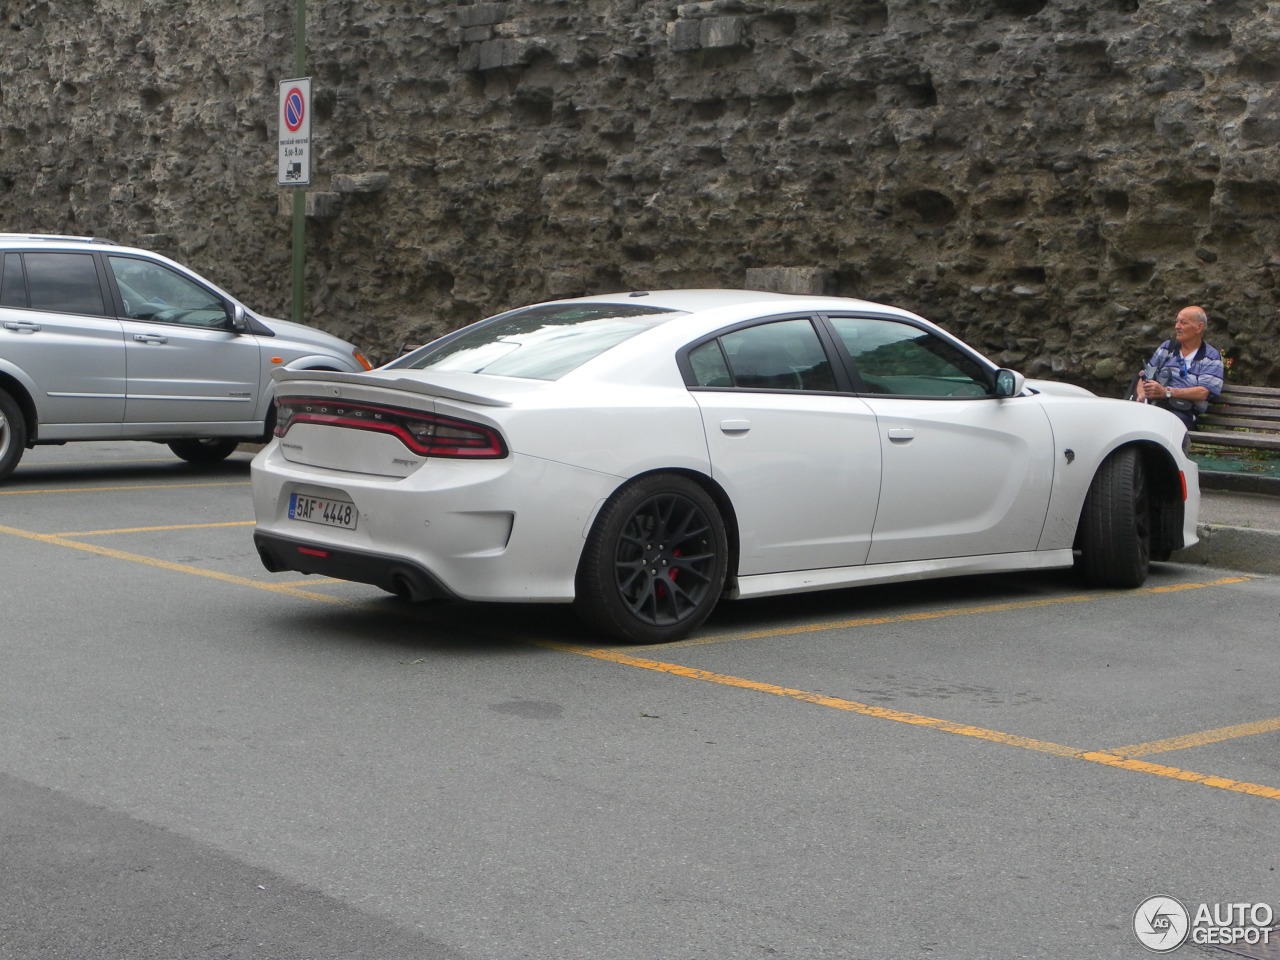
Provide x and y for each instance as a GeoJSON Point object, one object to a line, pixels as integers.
{"type": "Point", "coordinates": [654, 565]}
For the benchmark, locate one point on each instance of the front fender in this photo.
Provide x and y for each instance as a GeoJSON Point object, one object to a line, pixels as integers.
{"type": "Point", "coordinates": [1083, 440]}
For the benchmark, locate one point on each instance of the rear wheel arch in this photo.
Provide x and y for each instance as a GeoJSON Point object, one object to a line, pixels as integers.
{"type": "Point", "coordinates": [655, 560]}
{"type": "Point", "coordinates": [16, 426]}
{"type": "Point", "coordinates": [18, 392]}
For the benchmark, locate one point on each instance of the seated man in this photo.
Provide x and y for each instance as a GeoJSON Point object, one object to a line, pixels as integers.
{"type": "Point", "coordinates": [1184, 373]}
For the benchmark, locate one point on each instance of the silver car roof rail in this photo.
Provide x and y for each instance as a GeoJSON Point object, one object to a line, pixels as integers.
{"type": "Point", "coordinates": [58, 238]}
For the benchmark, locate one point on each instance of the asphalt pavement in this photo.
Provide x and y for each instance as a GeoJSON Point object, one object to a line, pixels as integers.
{"type": "Point", "coordinates": [1239, 528]}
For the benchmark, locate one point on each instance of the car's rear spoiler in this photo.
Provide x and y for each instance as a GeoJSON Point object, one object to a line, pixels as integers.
{"type": "Point", "coordinates": [410, 385]}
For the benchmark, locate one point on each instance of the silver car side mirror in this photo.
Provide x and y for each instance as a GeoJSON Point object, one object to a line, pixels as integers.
{"type": "Point", "coordinates": [238, 323]}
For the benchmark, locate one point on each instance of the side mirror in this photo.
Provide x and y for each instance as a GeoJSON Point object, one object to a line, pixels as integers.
{"type": "Point", "coordinates": [238, 323]}
{"type": "Point", "coordinates": [1009, 383]}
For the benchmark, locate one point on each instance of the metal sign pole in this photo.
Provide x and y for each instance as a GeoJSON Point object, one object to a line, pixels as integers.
{"type": "Point", "coordinates": [299, 194]}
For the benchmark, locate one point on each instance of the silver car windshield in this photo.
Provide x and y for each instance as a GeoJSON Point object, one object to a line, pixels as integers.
{"type": "Point", "coordinates": [542, 342]}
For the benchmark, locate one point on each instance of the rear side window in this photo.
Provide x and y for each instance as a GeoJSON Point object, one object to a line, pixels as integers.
{"type": "Point", "coordinates": [64, 283]}
{"type": "Point", "coordinates": [542, 342]}
{"type": "Point", "coordinates": [13, 283]}
{"type": "Point", "coordinates": [781, 355]}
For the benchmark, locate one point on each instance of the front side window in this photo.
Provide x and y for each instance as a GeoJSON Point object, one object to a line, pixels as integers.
{"type": "Point", "coordinates": [780, 355]}
{"type": "Point", "coordinates": [64, 283]}
{"type": "Point", "coordinates": [152, 291]}
{"type": "Point", "coordinates": [899, 359]}
{"type": "Point", "coordinates": [542, 342]}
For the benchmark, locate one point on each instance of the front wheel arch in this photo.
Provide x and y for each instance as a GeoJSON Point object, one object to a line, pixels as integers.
{"type": "Point", "coordinates": [1117, 536]}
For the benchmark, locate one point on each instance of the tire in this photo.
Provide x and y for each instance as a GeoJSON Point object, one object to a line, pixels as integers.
{"type": "Point", "coordinates": [1115, 524]}
{"type": "Point", "coordinates": [13, 434]}
{"type": "Point", "coordinates": [654, 563]}
{"type": "Point", "coordinates": [203, 451]}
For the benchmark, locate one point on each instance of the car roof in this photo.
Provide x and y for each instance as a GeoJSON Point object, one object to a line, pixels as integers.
{"type": "Point", "coordinates": [697, 299]}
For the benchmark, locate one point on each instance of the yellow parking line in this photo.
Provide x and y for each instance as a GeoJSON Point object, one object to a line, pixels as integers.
{"type": "Point", "coordinates": [919, 720]}
{"type": "Point", "coordinates": [127, 486]}
{"type": "Point", "coordinates": [1203, 738]}
{"type": "Point", "coordinates": [60, 541]}
{"type": "Point", "coordinates": [935, 614]}
{"type": "Point", "coordinates": [1104, 758]}
{"type": "Point", "coordinates": [169, 527]}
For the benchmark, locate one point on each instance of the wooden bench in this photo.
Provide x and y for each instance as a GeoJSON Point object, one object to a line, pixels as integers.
{"type": "Point", "coordinates": [1241, 417]}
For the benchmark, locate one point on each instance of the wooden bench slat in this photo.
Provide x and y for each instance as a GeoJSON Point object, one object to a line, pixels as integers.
{"type": "Point", "coordinates": [1233, 390]}
{"type": "Point", "coordinates": [1239, 423]}
{"type": "Point", "coordinates": [1267, 408]}
{"type": "Point", "coordinates": [1245, 417]}
{"type": "Point", "coordinates": [1255, 441]}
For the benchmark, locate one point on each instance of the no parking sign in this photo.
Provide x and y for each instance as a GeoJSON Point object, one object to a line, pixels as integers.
{"type": "Point", "coordinates": [294, 163]}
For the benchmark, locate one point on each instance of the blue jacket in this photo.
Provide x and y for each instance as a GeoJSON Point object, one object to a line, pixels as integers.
{"type": "Point", "coordinates": [1205, 369]}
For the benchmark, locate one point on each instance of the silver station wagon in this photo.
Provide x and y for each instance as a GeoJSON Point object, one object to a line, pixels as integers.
{"type": "Point", "coordinates": [105, 342]}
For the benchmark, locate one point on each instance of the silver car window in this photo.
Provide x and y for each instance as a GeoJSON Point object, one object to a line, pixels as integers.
{"type": "Point", "coordinates": [64, 283]}
{"type": "Point", "coordinates": [13, 282]}
{"type": "Point", "coordinates": [152, 291]}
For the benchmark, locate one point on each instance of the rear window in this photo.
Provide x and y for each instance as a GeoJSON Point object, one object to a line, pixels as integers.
{"type": "Point", "coordinates": [542, 342]}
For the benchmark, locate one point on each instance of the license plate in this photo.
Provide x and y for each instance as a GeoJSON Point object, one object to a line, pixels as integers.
{"type": "Point", "coordinates": [325, 510]}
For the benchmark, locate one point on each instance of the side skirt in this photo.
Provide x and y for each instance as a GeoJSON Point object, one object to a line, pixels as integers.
{"type": "Point", "coordinates": [803, 581]}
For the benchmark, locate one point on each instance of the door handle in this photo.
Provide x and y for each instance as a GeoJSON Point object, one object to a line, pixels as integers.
{"type": "Point", "coordinates": [901, 435]}
{"type": "Point", "coordinates": [150, 338]}
{"type": "Point", "coordinates": [735, 426]}
{"type": "Point", "coordinates": [21, 326]}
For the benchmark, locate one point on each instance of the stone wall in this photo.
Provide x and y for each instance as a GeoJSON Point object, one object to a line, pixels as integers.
{"type": "Point", "coordinates": [1050, 179]}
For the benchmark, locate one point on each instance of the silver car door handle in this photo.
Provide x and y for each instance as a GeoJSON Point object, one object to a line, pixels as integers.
{"type": "Point", "coordinates": [735, 426]}
{"type": "Point", "coordinates": [901, 435]}
{"type": "Point", "coordinates": [150, 338]}
{"type": "Point", "coordinates": [21, 326]}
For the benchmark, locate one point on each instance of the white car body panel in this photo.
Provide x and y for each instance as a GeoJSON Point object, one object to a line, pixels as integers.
{"type": "Point", "coordinates": [806, 581]}
{"type": "Point", "coordinates": [1075, 427]}
{"type": "Point", "coordinates": [515, 549]}
{"type": "Point", "coordinates": [991, 461]}
{"type": "Point", "coordinates": [762, 444]}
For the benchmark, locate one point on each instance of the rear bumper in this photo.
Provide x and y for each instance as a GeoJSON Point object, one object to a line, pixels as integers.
{"type": "Point", "coordinates": [396, 575]}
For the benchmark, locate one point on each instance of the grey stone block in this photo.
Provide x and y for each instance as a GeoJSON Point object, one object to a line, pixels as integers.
{"type": "Point", "coordinates": [805, 280]}
{"type": "Point", "coordinates": [360, 182]}
{"type": "Point", "coordinates": [482, 14]}
{"type": "Point", "coordinates": [722, 32]}
{"type": "Point", "coordinates": [322, 205]}
{"type": "Point", "coordinates": [684, 35]}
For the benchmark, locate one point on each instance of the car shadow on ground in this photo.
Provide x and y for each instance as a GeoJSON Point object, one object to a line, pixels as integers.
{"type": "Point", "coordinates": [163, 468]}
{"type": "Point", "coordinates": [516, 629]}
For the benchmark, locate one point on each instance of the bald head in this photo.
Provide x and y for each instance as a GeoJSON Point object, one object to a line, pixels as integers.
{"type": "Point", "coordinates": [1188, 328]}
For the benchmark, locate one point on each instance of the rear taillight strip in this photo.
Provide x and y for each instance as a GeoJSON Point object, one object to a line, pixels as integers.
{"type": "Point", "coordinates": [426, 434]}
